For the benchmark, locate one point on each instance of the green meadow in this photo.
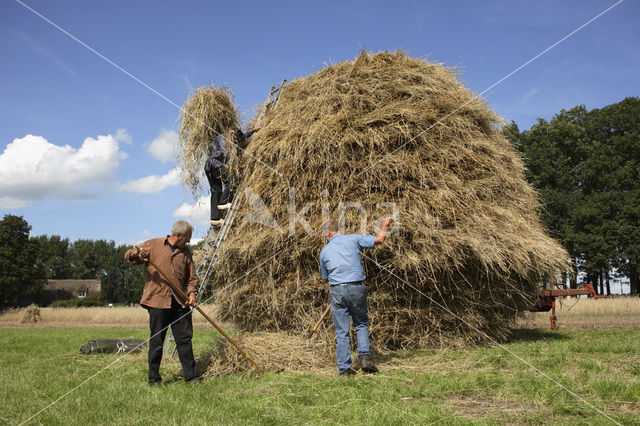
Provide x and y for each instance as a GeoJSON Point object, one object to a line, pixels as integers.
{"type": "Point", "coordinates": [45, 380]}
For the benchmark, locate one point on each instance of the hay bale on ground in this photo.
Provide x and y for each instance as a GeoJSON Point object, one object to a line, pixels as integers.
{"type": "Point", "coordinates": [31, 314]}
{"type": "Point", "coordinates": [388, 128]}
{"type": "Point", "coordinates": [208, 112]}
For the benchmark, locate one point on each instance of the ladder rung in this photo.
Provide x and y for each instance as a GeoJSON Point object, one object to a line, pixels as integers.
{"type": "Point", "coordinates": [214, 241]}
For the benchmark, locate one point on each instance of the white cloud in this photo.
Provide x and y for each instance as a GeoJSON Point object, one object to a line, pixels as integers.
{"type": "Point", "coordinates": [32, 168]}
{"type": "Point", "coordinates": [12, 203]}
{"type": "Point", "coordinates": [197, 213]}
{"type": "Point", "coordinates": [123, 136]}
{"type": "Point", "coordinates": [153, 183]}
{"type": "Point", "coordinates": [129, 243]}
{"type": "Point", "coordinates": [163, 147]}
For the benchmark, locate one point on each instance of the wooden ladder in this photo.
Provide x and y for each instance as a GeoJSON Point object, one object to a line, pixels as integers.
{"type": "Point", "coordinates": [215, 239]}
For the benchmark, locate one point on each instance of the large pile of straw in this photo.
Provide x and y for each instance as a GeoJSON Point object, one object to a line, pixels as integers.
{"type": "Point", "coordinates": [209, 111]}
{"type": "Point", "coordinates": [387, 128]}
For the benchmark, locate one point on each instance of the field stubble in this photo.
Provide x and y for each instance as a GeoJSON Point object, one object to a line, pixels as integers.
{"type": "Point", "coordinates": [572, 313]}
{"type": "Point", "coordinates": [94, 317]}
{"type": "Point", "coordinates": [589, 313]}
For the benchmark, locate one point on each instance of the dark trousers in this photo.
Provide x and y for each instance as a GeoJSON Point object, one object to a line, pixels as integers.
{"type": "Point", "coordinates": [159, 320]}
{"type": "Point", "coordinates": [219, 184]}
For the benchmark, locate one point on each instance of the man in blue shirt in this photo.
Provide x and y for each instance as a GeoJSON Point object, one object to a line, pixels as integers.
{"type": "Point", "coordinates": [341, 264]}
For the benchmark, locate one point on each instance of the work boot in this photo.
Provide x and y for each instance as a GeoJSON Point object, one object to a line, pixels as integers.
{"type": "Point", "coordinates": [218, 222]}
{"type": "Point", "coordinates": [348, 372]}
{"type": "Point", "coordinates": [224, 206]}
{"type": "Point", "coordinates": [366, 365]}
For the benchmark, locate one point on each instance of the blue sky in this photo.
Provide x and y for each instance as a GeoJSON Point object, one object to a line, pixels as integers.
{"type": "Point", "coordinates": [86, 151]}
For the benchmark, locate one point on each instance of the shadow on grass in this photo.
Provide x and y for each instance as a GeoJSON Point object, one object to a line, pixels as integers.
{"type": "Point", "coordinates": [535, 334]}
{"type": "Point", "coordinates": [517, 335]}
{"type": "Point", "coordinates": [204, 360]}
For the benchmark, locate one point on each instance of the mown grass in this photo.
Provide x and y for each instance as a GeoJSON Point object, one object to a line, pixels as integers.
{"type": "Point", "coordinates": [484, 385]}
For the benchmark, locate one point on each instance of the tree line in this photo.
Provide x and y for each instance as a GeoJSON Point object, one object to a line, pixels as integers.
{"type": "Point", "coordinates": [586, 167]}
{"type": "Point", "coordinates": [27, 262]}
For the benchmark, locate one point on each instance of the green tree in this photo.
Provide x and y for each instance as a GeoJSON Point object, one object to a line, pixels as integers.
{"type": "Point", "coordinates": [615, 131]}
{"type": "Point", "coordinates": [552, 153]}
{"type": "Point", "coordinates": [84, 262]}
{"type": "Point", "coordinates": [89, 258]}
{"type": "Point", "coordinates": [53, 256]}
{"type": "Point", "coordinates": [20, 276]}
{"type": "Point", "coordinates": [122, 282]}
{"type": "Point", "coordinates": [585, 165]}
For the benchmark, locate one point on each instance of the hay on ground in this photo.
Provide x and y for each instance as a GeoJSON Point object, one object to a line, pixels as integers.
{"type": "Point", "coordinates": [209, 111]}
{"type": "Point", "coordinates": [274, 352]}
{"type": "Point", "coordinates": [387, 128]}
{"type": "Point", "coordinates": [31, 314]}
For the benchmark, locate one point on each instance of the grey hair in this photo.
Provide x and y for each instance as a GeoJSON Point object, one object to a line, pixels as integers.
{"type": "Point", "coordinates": [331, 226]}
{"type": "Point", "coordinates": [181, 227]}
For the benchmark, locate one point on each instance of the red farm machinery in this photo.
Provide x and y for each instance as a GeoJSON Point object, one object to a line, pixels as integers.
{"type": "Point", "coordinates": [547, 299]}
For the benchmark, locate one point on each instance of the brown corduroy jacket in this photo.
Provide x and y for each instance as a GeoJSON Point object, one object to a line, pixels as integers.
{"type": "Point", "coordinates": [177, 265]}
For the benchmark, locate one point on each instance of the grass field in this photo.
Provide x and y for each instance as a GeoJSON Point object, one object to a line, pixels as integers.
{"type": "Point", "coordinates": [595, 355]}
{"type": "Point", "coordinates": [480, 385]}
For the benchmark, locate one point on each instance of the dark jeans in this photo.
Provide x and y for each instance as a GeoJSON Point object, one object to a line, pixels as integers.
{"type": "Point", "coordinates": [349, 303]}
{"type": "Point", "coordinates": [219, 184]}
{"type": "Point", "coordinates": [159, 320]}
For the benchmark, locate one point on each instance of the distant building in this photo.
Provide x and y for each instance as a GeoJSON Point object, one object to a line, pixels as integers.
{"type": "Point", "coordinates": [68, 289]}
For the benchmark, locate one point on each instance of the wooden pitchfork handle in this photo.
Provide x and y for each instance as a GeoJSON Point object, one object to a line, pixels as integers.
{"type": "Point", "coordinates": [182, 294]}
{"type": "Point", "coordinates": [315, 327]}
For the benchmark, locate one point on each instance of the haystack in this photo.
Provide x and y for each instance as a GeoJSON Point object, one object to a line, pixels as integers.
{"type": "Point", "coordinates": [393, 134]}
{"type": "Point", "coordinates": [31, 314]}
{"type": "Point", "coordinates": [209, 111]}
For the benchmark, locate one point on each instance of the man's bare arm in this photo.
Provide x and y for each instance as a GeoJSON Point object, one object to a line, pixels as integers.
{"type": "Point", "coordinates": [384, 226]}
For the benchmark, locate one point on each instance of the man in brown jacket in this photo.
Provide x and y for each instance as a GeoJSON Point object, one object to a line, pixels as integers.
{"type": "Point", "coordinates": [173, 258]}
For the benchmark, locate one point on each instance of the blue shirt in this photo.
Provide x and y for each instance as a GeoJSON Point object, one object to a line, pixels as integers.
{"type": "Point", "coordinates": [340, 259]}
